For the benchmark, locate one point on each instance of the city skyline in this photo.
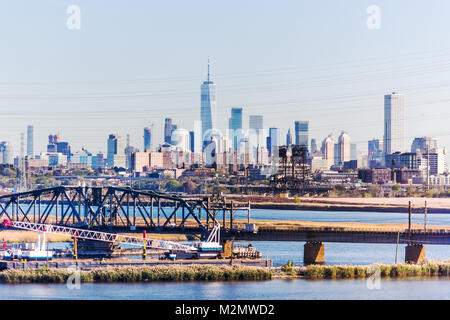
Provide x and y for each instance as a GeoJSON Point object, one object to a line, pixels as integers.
{"type": "Point", "coordinates": [125, 90]}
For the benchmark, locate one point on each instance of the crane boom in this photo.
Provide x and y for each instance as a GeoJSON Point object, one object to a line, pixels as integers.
{"type": "Point", "coordinates": [98, 235]}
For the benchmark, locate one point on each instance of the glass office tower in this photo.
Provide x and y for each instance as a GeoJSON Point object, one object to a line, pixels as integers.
{"type": "Point", "coordinates": [235, 126]}
{"type": "Point", "coordinates": [208, 107]}
{"type": "Point", "coordinates": [301, 133]}
{"type": "Point", "coordinates": [394, 126]}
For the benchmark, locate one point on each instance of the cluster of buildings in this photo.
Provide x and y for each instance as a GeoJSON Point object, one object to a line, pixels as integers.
{"type": "Point", "coordinates": [387, 160]}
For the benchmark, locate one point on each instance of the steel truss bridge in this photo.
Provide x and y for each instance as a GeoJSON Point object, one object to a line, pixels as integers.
{"type": "Point", "coordinates": [115, 208]}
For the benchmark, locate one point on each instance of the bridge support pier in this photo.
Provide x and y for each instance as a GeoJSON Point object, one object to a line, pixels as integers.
{"type": "Point", "coordinates": [414, 253]}
{"type": "Point", "coordinates": [314, 253]}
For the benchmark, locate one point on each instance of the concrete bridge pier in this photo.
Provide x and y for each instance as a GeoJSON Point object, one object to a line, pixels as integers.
{"type": "Point", "coordinates": [414, 253]}
{"type": "Point", "coordinates": [314, 253]}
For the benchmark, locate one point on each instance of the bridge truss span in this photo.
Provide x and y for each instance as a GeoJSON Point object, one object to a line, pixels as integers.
{"type": "Point", "coordinates": [111, 207]}
{"type": "Point", "coordinates": [99, 236]}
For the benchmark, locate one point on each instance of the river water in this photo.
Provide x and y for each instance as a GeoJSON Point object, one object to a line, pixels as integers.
{"type": "Point", "coordinates": [345, 253]}
{"type": "Point", "coordinates": [280, 252]}
{"type": "Point", "coordinates": [264, 290]}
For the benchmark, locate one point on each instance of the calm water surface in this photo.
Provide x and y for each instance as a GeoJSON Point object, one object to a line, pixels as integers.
{"type": "Point", "coordinates": [280, 252]}
{"type": "Point", "coordinates": [265, 290]}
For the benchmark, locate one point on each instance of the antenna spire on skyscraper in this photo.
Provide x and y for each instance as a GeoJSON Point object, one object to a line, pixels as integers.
{"type": "Point", "coordinates": [208, 69]}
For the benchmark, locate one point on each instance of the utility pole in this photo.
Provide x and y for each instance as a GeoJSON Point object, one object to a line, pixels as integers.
{"type": "Point", "coordinates": [409, 221]}
{"type": "Point", "coordinates": [22, 165]}
{"type": "Point", "coordinates": [428, 168]}
{"type": "Point", "coordinates": [425, 222]}
{"type": "Point", "coordinates": [396, 248]}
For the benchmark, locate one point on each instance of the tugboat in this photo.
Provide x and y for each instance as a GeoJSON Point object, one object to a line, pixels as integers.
{"type": "Point", "coordinates": [39, 252]}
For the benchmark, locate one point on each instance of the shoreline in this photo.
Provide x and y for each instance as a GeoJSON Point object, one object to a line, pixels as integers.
{"type": "Point", "coordinates": [388, 204]}
{"type": "Point", "coordinates": [340, 208]}
{"type": "Point", "coordinates": [427, 270]}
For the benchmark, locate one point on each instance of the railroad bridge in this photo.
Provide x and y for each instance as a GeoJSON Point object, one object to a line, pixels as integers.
{"type": "Point", "coordinates": [121, 209]}
{"type": "Point", "coordinates": [117, 208]}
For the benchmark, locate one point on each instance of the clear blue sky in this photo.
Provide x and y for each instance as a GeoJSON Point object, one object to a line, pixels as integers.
{"type": "Point", "coordinates": [137, 62]}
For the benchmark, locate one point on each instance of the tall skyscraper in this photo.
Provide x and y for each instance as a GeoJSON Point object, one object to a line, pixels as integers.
{"type": "Point", "coordinates": [255, 135]}
{"type": "Point", "coordinates": [116, 152]}
{"type": "Point", "coordinates": [30, 141]}
{"type": "Point", "coordinates": [273, 138]}
{"type": "Point", "coordinates": [288, 138]}
{"type": "Point", "coordinates": [328, 150]}
{"type": "Point", "coordinates": [344, 147]}
{"type": "Point", "coordinates": [208, 107]}
{"type": "Point", "coordinates": [192, 141]}
{"type": "Point", "coordinates": [147, 139]}
{"type": "Point", "coordinates": [313, 145]}
{"type": "Point", "coordinates": [6, 152]}
{"type": "Point", "coordinates": [235, 126]}
{"type": "Point", "coordinates": [168, 128]}
{"type": "Point", "coordinates": [353, 151]}
{"type": "Point", "coordinates": [394, 123]}
{"type": "Point", "coordinates": [301, 133]}
{"type": "Point", "coordinates": [255, 123]}
{"type": "Point", "coordinates": [180, 139]}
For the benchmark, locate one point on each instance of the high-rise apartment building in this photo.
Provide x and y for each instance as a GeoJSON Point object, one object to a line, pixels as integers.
{"type": "Point", "coordinates": [328, 150]}
{"type": "Point", "coordinates": [6, 152]}
{"type": "Point", "coordinates": [288, 138]}
{"type": "Point", "coordinates": [344, 148]}
{"type": "Point", "coordinates": [55, 145]}
{"type": "Point", "coordinates": [30, 141]}
{"type": "Point", "coordinates": [208, 108]}
{"type": "Point", "coordinates": [147, 139]}
{"type": "Point", "coordinates": [423, 144]}
{"type": "Point", "coordinates": [375, 153]}
{"type": "Point", "coordinates": [394, 123]}
{"type": "Point", "coordinates": [168, 128]}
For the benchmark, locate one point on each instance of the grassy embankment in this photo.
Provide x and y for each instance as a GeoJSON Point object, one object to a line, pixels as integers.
{"type": "Point", "coordinates": [227, 273]}
{"type": "Point", "coordinates": [426, 269]}
{"type": "Point", "coordinates": [139, 274]}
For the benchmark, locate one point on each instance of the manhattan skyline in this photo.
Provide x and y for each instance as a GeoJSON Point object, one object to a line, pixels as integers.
{"type": "Point", "coordinates": [85, 84]}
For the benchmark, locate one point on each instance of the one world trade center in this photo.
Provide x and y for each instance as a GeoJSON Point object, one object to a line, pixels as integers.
{"type": "Point", "coordinates": [208, 106]}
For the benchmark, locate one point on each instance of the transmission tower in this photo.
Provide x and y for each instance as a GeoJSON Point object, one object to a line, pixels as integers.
{"type": "Point", "coordinates": [23, 186]}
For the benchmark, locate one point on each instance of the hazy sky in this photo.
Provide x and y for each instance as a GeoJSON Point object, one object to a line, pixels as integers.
{"type": "Point", "coordinates": [133, 63]}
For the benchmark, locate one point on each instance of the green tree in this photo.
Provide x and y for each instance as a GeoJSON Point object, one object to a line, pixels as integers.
{"type": "Point", "coordinates": [173, 185]}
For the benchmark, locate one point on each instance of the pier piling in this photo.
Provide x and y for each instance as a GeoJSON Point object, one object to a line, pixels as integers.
{"type": "Point", "coordinates": [314, 253]}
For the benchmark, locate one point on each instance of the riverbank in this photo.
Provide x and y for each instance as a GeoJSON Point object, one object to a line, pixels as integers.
{"type": "Point", "coordinates": [434, 205]}
{"type": "Point", "coordinates": [139, 274]}
{"type": "Point", "coordinates": [426, 269]}
{"type": "Point", "coordinates": [226, 273]}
